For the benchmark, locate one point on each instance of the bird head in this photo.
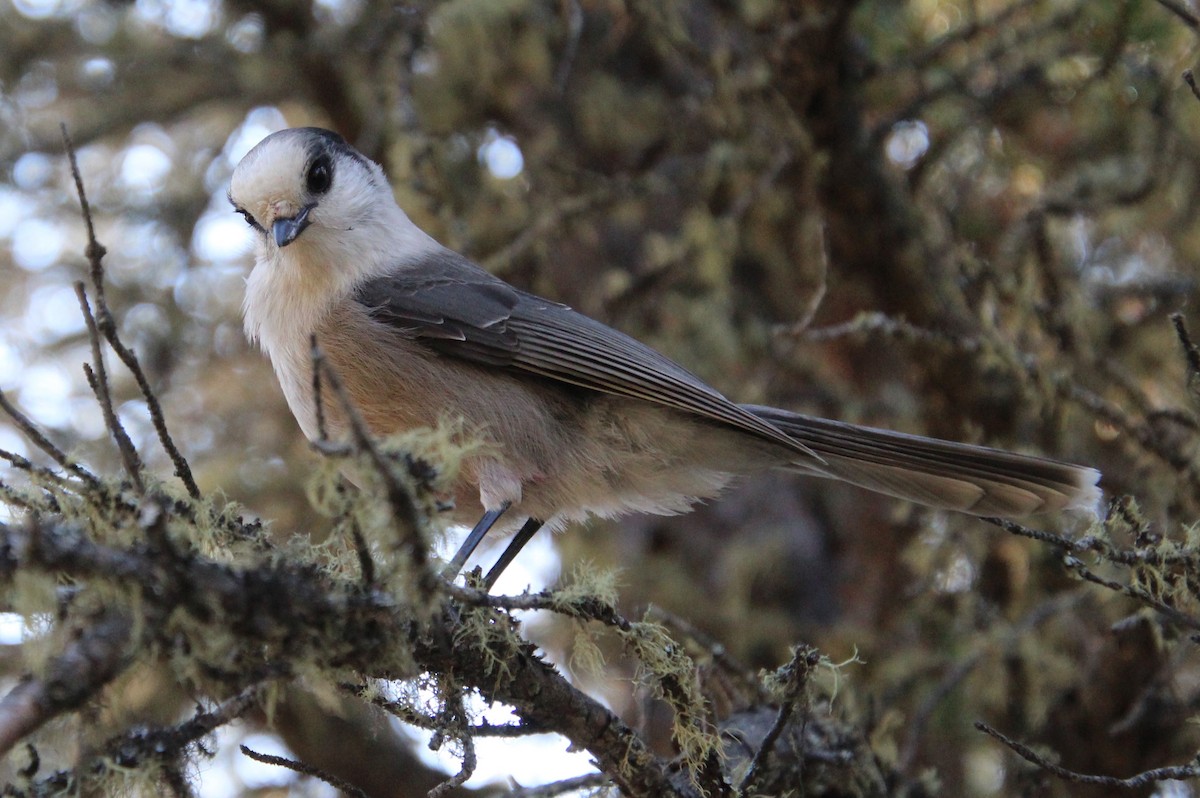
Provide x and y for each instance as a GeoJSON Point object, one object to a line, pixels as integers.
{"type": "Point", "coordinates": [306, 188]}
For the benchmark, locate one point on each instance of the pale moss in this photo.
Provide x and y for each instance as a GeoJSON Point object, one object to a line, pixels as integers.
{"type": "Point", "coordinates": [321, 684]}
{"type": "Point", "coordinates": [371, 690]}
{"type": "Point", "coordinates": [34, 596]}
{"type": "Point", "coordinates": [1191, 536]}
{"type": "Point", "coordinates": [828, 669]}
{"type": "Point", "coordinates": [437, 453]}
{"type": "Point", "coordinates": [116, 781]}
{"type": "Point", "coordinates": [586, 656]}
{"type": "Point", "coordinates": [587, 584]}
{"type": "Point", "coordinates": [493, 635]}
{"type": "Point", "coordinates": [662, 661]}
{"type": "Point", "coordinates": [211, 532]}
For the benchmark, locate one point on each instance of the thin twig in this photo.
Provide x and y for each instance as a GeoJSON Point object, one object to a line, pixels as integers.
{"type": "Point", "coordinates": [134, 747]}
{"type": "Point", "coordinates": [584, 782]}
{"type": "Point", "coordinates": [404, 509]}
{"type": "Point", "coordinates": [1092, 543]}
{"type": "Point", "coordinates": [40, 473]}
{"type": "Point", "coordinates": [1135, 593]}
{"type": "Point", "coordinates": [1190, 353]}
{"type": "Point", "coordinates": [1189, 348]}
{"type": "Point", "coordinates": [318, 399]}
{"type": "Point", "coordinates": [1143, 779]}
{"type": "Point", "coordinates": [365, 562]}
{"type": "Point", "coordinates": [305, 769]}
{"type": "Point", "coordinates": [16, 498]}
{"type": "Point", "coordinates": [456, 711]}
{"type": "Point", "coordinates": [95, 251]}
{"type": "Point", "coordinates": [107, 325]}
{"type": "Point", "coordinates": [1070, 547]}
{"type": "Point", "coordinates": [406, 713]}
{"type": "Point", "coordinates": [97, 377]}
{"type": "Point", "coordinates": [35, 436]}
{"type": "Point", "coordinates": [804, 659]}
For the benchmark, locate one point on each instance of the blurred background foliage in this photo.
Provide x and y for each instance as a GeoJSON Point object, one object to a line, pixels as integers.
{"type": "Point", "coordinates": [965, 218]}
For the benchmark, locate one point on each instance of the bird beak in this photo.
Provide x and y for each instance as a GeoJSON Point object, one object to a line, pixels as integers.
{"type": "Point", "coordinates": [286, 230]}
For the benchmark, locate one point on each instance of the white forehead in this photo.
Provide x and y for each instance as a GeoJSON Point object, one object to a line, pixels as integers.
{"type": "Point", "coordinates": [274, 168]}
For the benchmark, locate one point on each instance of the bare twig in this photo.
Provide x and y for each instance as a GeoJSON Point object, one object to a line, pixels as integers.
{"type": "Point", "coordinates": [404, 509]}
{"type": "Point", "coordinates": [365, 562]}
{"type": "Point", "coordinates": [107, 325]}
{"type": "Point", "coordinates": [1144, 779]}
{"type": "Point", "coordinates": [95, 252]}
{"type": "Point", "coordinates": [97, 377]}
{"type": "Point", "coordinates": [305, 769]}
{"type": "Point", "coordinates": [1190, 352]}
{"type": "Point", "coordinates": [318, 399]}
{"type": "Point", "coordinates": [1189, 348]}
{"type": "Point", "coordinates": [35, 436]}
{"type": "Point", "coordinates": [796, 673]}
{"type": "Point", "coordinates": [137, 746]}
{"type": "Point", "coordinates": [408, 714]}
{"type": "Point", "coordinates": [584, 782]}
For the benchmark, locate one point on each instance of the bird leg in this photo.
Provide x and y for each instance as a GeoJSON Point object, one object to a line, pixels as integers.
{"type": "Point", "coordinates": [514, 547]}
{"type": "Point", "coordinates": [472, 542]}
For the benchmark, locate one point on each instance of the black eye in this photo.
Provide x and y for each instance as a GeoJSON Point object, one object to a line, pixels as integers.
{"type": "Point", "coordinates": [320, 175]}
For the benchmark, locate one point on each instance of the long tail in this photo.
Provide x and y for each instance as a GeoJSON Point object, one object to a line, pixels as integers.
{"type": "Point", "coordinates": [957, 476]}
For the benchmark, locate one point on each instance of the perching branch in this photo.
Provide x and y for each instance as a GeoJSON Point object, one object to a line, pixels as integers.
{"type": "Point", "coordinates": [241, 623]}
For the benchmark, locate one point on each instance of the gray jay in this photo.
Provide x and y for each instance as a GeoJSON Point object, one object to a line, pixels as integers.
{"type": "Point", "coordinates": [576, 418]}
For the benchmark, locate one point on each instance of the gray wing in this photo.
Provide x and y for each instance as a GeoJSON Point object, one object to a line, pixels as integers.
{"type": "Point", "coordinates": [457, 309]}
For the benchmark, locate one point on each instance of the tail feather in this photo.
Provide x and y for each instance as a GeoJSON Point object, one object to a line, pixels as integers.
{"type": "Point", "coordinates": [958, 476]}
